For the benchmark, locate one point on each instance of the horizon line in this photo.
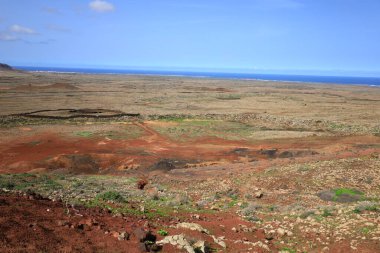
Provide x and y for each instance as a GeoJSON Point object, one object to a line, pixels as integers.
{"type": "Point", "coordinates": [305, 72]}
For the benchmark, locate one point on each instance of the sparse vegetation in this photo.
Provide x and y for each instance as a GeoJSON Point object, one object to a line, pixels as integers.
{"type": "Point", "coordinates": [229, 97]}
{"type": "Point", "coordinates": [162, 232]}
{"type": "Point", "coordinates": [111, 196]}
{"type": "Point", "coordinates": [342, 191]}
{"type": "Point", "coordinates": [84, 133]}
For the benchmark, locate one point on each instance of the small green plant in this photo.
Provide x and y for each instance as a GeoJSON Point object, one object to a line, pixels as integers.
{"type": "Point", "coordinates": [171, 118]}
{"type": "Point", "coordinates": [232, 203]}
{"type": "Point", "coordinates": [326, 213]}
{"type": "Point", "coordinates": [365, 230]}
{"type": "Point", "coordinates": [290, 250]}
{"type": "Point", "coordinates": [111, 196]}
{"type": "Point", "coordinates": [373, 208]}
{"type": "Point", "coordinates": [244, 205]}
{"type": "Point", "coordinates": [84, 134]}
{"type": "Point", "coordinates": [162, 232]}
{"type": "Point", "coordinates": [347, 195]}
{"type": "Point", "coordinates": [341, 191]}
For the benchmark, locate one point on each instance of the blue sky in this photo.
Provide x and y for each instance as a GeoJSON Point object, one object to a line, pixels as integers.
{"type": "Point", "coordinates": [280, 36]}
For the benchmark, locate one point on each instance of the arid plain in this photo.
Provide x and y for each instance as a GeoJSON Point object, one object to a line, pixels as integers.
{"type": "Point", "coordinates": [126, 163]}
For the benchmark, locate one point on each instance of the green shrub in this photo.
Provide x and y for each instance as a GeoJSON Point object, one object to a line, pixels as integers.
{"type": "Point", "coordinates": [341, 191]}
{"type": "Point", "coordinates": [326, 213]}
{"type": "Point", "coordinates": [162, 232]}
{"type": "Point", "coordinates": [111, 196]}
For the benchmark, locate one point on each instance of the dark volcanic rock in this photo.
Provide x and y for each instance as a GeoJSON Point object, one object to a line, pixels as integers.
{"type": "Point", "coordinates": [165, 165]}
{"type": "Point", "coordinates": [5, 67]}
{"type": "Point", "coordinates": [270, 153]}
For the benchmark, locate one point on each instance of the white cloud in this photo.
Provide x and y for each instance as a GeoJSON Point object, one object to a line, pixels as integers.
{"type": "Point", "coordinates": [7, 37]}
{"type": "Point", "coordinates": [21, 29]}
{"type": "Point", "coordinates": [101, 6]}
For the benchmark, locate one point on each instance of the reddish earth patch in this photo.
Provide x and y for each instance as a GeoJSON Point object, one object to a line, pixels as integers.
{"type": "Point", "coordinates": [49, 150]}
{"type": "Point", "coordinates": [43, 226]}
{"type": "Point", "coordinates": [35, 225]}
{"type": "Point", "coordinates": [31, 224]}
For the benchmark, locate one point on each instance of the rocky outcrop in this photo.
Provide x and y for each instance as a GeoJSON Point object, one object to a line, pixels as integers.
{"type": "Point", "coordinates": [5, 67]}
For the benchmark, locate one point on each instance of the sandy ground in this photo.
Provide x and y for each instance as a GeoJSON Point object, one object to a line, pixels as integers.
{"type": "Point", "coordinates": [167, 95]}
{"type": "Point", "coordinates": [261, 166]}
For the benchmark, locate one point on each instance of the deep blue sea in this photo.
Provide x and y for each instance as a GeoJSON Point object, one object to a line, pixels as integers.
{"type": "Point", "coordinates": [367, 81]}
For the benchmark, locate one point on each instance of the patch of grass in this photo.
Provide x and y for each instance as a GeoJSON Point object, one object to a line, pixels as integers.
{"type": "Point", "coordinates": [84, 134]}
{"type": "Point", "coordinates": [229, 97]}
{"type": "Point", "coordinates": [365, 230]}
{"type": "Point", "coordinates": [340, 191]}
{"type": "Point", "coordinates": [162, 232]}
{"type": "Point", "coordinates": [29, 181]}
{"type": "Point", "coordinates": [287, 249]}
{"type": "Point", "coordinates": [194, 128]}
{"type": "Point", "coordinates": [371, 207]}
{"type": "Point", "coordinates": [244, 205]}
{"type": "Point", "coordinates": [232, 203]}
{"type": "Point", "coordinates": [307, 214]}
{"type": "Point", "coordinates": [171, 118]}
{"type": "Point", "coordinates": [304, 168]}
{"type": "Point", "coordinates": [326, 213]}
{"type": "Point", "coordinates": [111, 196]}
{"type": "Point", "coordinates": [34, 143]}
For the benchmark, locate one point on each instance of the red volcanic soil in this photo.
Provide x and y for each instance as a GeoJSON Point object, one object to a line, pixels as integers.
{"type": "Point", "coordinates": [29, 223]}
{"type": "Point", "coordinates": [49, 150]}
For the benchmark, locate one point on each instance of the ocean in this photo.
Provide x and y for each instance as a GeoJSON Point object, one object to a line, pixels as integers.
{"type": "Point", "coordinates": [366, 81]}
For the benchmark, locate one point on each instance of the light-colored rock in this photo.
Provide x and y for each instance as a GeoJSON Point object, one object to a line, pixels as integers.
{"type": "Point", "coordinates": [200, 246]}
{"type": "Point", "coordinates": [281, 231]}
{"type": "Point", "coordinates": [259, 194]}
{"type": "Point", "coordinates": [219, 240]}
{"type": "Point", "coordinates": [192, 226]}
{"type": "Point", "coordinates": [179, 241]}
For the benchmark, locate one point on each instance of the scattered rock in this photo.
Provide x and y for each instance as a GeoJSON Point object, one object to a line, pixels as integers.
{"type": "Point", "coordinates": [143, 235]}
{"type": "Point", "coordinates": [220, 241]}
{"type": "Point", "coordinates": [177, 240]}
{"type": "Point", "coordinates": [123, 236]}
{"type": "Point", "coordinates": [270, 153]}
{"type": "Point", "coordinates": [192, 226]}
{"type": "Point", "coordinates": [259, 194]}
{"type": "Point", "coordinates": [165, 165]}
{"type": "Point", "coordinates": [141, 184]}
{"type": "Point", "coordinates": [201, 246]}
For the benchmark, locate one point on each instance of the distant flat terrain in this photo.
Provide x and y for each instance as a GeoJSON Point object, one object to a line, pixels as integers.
{"type": "Point", "coordinates": [153, 95]}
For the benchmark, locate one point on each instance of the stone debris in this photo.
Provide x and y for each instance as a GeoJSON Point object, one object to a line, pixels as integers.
{"type": "Point", "coordinates": [182, 243]}
{"type": "Point", "coordinates": [255, 244]}
{"type": "Point", "coordinates": [192, 226]}
{"type": "Point", "coordinates": [219, 241]}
